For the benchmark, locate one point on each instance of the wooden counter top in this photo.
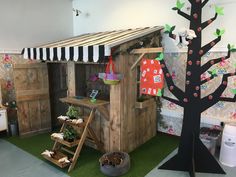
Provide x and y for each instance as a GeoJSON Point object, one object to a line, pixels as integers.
{"type": "Point", "coordinates": [84, 102]}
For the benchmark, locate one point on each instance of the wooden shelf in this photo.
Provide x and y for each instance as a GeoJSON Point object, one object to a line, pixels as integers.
{"type": "Point", "coordinates": [144, 104]}
{"type": "Point", "coordinates": [66, 143]}
{"type": "Point", "coordinates": [55, 159]}
{"type": "Point", "coordinates": [84, 102]}
{"type": "Point", "coordinates": [68, 122]}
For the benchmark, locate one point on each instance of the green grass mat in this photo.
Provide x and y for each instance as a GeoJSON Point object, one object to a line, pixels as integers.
{"type": "Point", "coordinates": [143, 159]}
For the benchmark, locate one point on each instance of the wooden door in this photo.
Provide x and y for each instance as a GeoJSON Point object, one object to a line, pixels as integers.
{"type": "Point", "coordinates": [32, 98]}
{"type": "Point", "coordinates": [58, 89]}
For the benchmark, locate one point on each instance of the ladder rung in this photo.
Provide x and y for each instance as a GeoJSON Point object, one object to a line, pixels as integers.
{"type": "Point", "coordinates": [67, 150]}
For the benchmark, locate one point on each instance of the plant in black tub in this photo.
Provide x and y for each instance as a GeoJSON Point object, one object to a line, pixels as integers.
{"type": "Point", "coordinates": [70, 134]}
{"type": "Point", "coordinates": [72, 112]}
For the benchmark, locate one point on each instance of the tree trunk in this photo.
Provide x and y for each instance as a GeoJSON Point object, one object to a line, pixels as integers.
{"type": "Point", "coordinates": [192, 155]}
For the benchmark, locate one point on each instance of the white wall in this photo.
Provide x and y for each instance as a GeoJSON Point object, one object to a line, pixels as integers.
{"type": "Point", "coordinates": [28, 23]}
{"type": "Point", "coordinates": [101, 15]}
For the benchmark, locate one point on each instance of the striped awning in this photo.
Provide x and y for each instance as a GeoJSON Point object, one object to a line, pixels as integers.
{"type": "Point", "coordinates": [91, 47]}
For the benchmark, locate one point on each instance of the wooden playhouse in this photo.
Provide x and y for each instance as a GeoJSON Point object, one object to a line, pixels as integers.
{"type": "Point", "coordinates": [121, 123]}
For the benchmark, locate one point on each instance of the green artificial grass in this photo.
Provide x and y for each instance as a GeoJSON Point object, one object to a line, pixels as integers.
{"type": "Point", "coordinates": [143, 159]}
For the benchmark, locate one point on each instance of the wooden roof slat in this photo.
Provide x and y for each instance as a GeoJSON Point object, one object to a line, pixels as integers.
{"type": "Point", "coordinates": [126, 39]}
{"type": "Point", "coordinates": [83, 37]}
{"type": "Point", "coordinates": [88, 38]}
{"type": "Point", "coordinates": [109, 38]}
{"type": "Point", "coordinates": [91, 39]}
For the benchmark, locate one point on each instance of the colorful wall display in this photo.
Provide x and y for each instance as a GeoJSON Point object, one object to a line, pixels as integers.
{"type": "Point", "coordinates": [152, 78]}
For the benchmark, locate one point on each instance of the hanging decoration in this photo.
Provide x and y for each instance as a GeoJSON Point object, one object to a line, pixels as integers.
{"type": "Point", "coordinates": [151, 81]}
{"type": "Point", "coordinates": [110, 77]}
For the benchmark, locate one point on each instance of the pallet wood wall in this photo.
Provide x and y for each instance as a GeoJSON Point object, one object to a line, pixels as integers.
{"type": "Point", "coordinates": [129, 126]}
{"type": "Point", "coordinates": [32, 97]}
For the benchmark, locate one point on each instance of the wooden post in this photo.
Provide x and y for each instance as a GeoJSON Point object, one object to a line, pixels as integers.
{"type": "Point", "coordinates": [0, 94]}
{"type": "Point", "coordinates": [71, 79]}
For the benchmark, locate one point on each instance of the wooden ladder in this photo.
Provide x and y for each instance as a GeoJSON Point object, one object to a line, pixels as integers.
{"type": "Point", "coordinates": [59, 143]}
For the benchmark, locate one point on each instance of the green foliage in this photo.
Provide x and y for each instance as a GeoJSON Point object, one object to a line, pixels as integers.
{"type": "Point", "coordinates": [219, 10]}
{"type": "Point", "coordinates": [233, 91]}
{"type": "Point", "coordinates": [69, 133]}
{"type": "Point", "coordinates": [72, 112]}
{"type": "Point", "coordinates": [231, 48]}
{"type": "Point", "coordinates": [169, 29]}
{"type": "Point", "coordinates": [160, 92]}
{"type": "Point", "coordinates": [160, 57]}
{"type": "Point", "coordinates": [179, 5]}
{"type": "Point", "coordinates": [213, 72]}
{"type": "Point", "coordinates": [219, 32]}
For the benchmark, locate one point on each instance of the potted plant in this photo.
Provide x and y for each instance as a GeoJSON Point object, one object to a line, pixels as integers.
{"type": "Point", "coordinates": [70, 134]}
{"type": "Point", "coordinates": [72, 112]}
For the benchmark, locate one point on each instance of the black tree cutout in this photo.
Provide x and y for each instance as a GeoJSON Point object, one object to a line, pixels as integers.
{"type": "Point", "coordinates": [192, 155]}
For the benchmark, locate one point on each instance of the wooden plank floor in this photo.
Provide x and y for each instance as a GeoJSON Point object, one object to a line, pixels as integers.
{"type": "Point", "coordinates": [167, 173]}
{"type": "Point", "coordinates": [18, 163]}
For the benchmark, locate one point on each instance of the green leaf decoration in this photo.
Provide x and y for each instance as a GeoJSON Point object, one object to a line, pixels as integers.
{"type": "Point", "coordinates": [179, 5]}
{"type": "Point", "coordinates": [160, 57]}
{"type": "Point", "coordinates": [231, 48]}
{"type": "Point", "coordinates": [175, 8]}
{"type": "Point", "coordinates": [222, 32]}
{"type": "Point", "coordinates": [167, 28]}
{"type": "Point", "coordinates": [219, 10]}
{"type": "Point", "coordinates": [172, 28]}
{"type": "Point", "coordinates": [213, 73]}
{"type": "Point", "coordinates": [235, 65]}
{"type": "Point", "coordinates": [219, 32]}
{"type": "Point", "coordinates": [159, 93]}
{"type": "Point", "coordinates": [233, 91]}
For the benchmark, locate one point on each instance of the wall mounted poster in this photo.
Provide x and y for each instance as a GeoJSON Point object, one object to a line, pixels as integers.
{"type": "Point", "coordinates": [151, 81]}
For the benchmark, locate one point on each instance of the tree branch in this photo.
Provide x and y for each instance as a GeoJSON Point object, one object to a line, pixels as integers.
{"type": "Point", "coordinates": [177, 92]}
{"type": "Point", "coordinates": [188, 17]}
{"type": "Point", "coordinates": [215, 97]}
{"type": "Point", "coordinates": [204, 3]}
{"type": "Point", "coordinates": [228, 99]}
{"type": "Point", "coordinates": [173, 100]}
{"type": "Point", "coordinates": [208, 22]}
{"type": "Point", "coordinates": [190, 1]}
{"type": "Point", "coordinates": [208, 79]}
{"type": "Point", "coordinates": [212, 62]}
{"type": "Point", "coordinates": [208, 46]}
{"type": "Point", "coordinates": [171, 35]}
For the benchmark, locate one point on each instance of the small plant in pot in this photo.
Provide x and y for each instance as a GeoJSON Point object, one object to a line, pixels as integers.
{"type": "Point", "coordinates": [72, 112]}
{"type": "Point", "coordinates": [70, 134]}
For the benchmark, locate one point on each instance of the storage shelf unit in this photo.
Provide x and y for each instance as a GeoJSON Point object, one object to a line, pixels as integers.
{"type": "Point", "coordinates": [87, 134]}
{"type": "Point", "coordinates": [55, 159]}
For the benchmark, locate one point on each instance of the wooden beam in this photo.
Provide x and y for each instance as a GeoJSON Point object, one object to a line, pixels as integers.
{"type": "Point", "coordinates": [144, 51]}
{"type": "Point", "coordinates": [71, 79]}
{"type": "Point", "coordinates": [147, 50]}
{"type": "Point", "coordinates": [137, 61]}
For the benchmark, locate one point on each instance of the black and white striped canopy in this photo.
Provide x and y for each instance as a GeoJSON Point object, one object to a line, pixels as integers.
{"type": "Point", "coordinates": [92, 47]}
